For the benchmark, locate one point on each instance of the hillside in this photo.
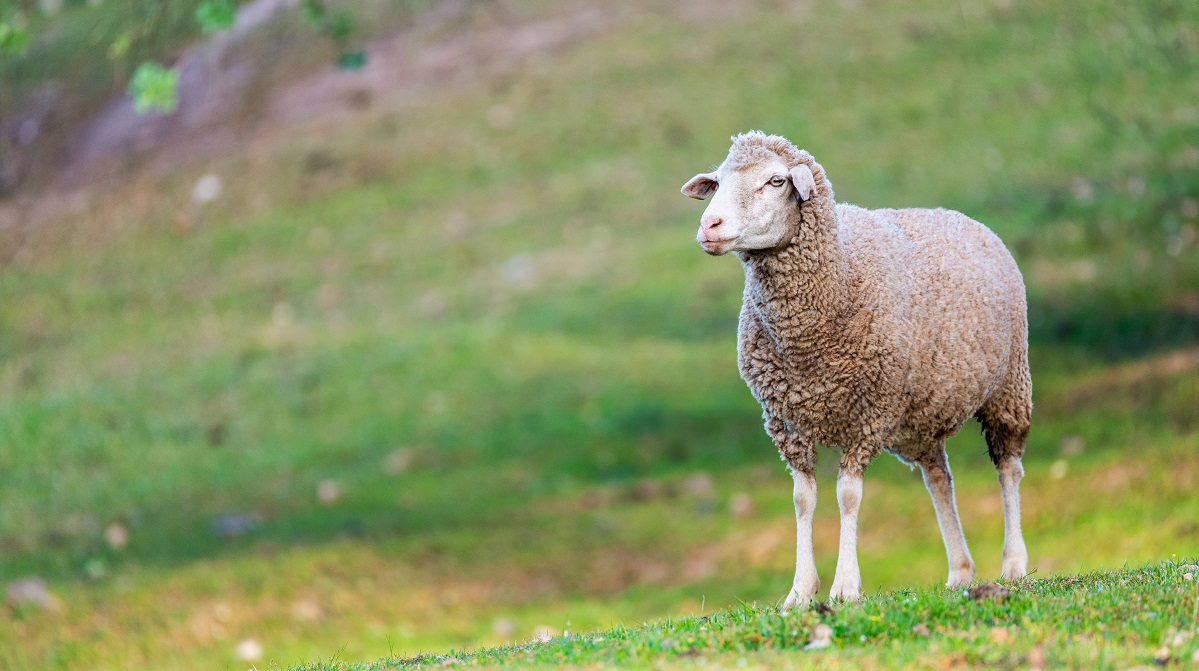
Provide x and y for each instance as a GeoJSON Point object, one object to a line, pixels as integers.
{"type": "Point", "coordinates": [1098, 620]}
{"type": "Point", "coordinates": [440, 365]}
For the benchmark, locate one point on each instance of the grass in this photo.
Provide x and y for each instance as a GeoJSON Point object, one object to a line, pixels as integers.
{"type": "Point", "coordinates": [496, 344]}
{"type": "Point", "coordinates": [1097, 620]}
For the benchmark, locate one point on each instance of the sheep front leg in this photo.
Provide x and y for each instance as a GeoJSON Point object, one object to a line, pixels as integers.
{"type": "Point", "coordinates": [847, 583]}
{"type": "Point", "coordinates": [806, 582]}
{"type": "Point", "coordinates": [939, 481]}
{"type": "Point", "coordinates": [800, 455]}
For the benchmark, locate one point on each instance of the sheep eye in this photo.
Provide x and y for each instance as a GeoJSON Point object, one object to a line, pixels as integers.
{"type": "Point", "coordinates": [777, 181]}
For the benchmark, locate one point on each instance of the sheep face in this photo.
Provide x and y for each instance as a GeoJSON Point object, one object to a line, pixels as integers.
{"type": "Point", "coordinates": [754, 206]}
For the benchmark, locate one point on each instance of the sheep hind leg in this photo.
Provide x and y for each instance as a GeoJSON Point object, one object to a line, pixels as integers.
{"type": "Point", "coordinates": [1005, 443]}
{"type": "Point", "coordinates": [939, 481]}
{"type": "Point", "coordinates": [1015, 554]}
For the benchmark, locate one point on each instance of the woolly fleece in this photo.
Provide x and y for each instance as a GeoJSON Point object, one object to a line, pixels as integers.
{"type": "Point", "coordinates": [871, 330]}
{"type": "Point", "coordinates": [881, 329]}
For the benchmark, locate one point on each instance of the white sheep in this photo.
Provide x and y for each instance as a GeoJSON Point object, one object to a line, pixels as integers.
{"type": "Point", "coordinates": [870, 330]}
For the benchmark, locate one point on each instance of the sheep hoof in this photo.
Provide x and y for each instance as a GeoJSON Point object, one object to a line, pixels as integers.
{"type": "Point", "coordinates": [960, 577]}
{"type": "Point", "coordinates": [1014, 569]}
{"type": "Point", "coordinates": [792, 602]}
{"type": "Point", "coordinates": [845, 591]}
{"type": "Point", "coordinates": [799, 599]}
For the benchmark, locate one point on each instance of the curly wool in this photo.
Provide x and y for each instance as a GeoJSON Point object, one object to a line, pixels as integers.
{"type": "Point", "coordinates": [755, 146]}
{"type": "Point", "coordinates": [881, 329]}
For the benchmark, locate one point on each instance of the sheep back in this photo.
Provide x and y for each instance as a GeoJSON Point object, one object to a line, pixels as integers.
{"type": "Point", "coordinates": [935, 329]}
{"type": "Point", "coordinates": [957, 306]}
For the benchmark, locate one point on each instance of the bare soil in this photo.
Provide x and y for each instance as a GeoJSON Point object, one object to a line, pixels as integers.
{"type": "Point", "coordinates": [225, 101]}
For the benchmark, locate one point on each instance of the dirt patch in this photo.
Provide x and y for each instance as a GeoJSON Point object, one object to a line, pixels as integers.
{"type": "Point", "coordinates": [210, 77]}
{"type": "Point", "coordinates": [407, 64]}
{"type": "Point", "coordinates": [214, 79]}
{"type": "Point", "coordinates": [225, 105]}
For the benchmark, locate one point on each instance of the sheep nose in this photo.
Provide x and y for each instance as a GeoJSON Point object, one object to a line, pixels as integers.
{"type": "Point", "coordinates": [711, 223]}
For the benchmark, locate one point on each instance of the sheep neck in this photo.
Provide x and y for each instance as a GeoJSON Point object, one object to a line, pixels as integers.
{"type": "Point", "coordinates": [800, 291]}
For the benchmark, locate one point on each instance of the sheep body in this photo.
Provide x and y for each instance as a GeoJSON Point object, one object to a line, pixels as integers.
{"type": "Point", "coordinates": [934, 326]}
{"type": "Point", "coordinates": [870, 330]}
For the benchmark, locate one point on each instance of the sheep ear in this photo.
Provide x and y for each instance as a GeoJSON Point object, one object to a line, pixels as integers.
{"type": "Point", "coordinates": [805, 183]}
{"type": "Point", "coordinates": [701, 186]}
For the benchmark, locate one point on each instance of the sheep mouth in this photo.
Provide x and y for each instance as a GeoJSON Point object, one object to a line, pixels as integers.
{"type": "Point", "coordinates": [716, 247]}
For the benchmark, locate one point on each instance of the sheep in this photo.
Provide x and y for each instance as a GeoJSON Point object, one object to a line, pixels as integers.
{"type": "Point", "coordinates": [870, 330]}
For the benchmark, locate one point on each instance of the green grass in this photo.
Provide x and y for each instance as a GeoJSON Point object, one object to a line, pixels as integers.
{"type": "Point", "coordinates": [502, 346]}
{"type": "Point", "coordinates": [1098, 620]}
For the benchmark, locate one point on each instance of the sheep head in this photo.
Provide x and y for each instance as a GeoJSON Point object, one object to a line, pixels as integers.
{"type": "Point", "coordinates": [758, 190]}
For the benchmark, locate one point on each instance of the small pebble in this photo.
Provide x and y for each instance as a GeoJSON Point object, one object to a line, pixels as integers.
{"type": "Point", "coordinates": [741, 506]}
{"type": "Point", "coordinates": [822, 637]}
{"type": "Point", "coordinates": [1072, 446]}
{"type": "Point", "coordinates": [398, 461]}
{"type": "Point", "coordinates": [207, 189]}
{"type": "Point", "coordinates": [503, 627]}
{"type": "Point", "coordinates": [306, 611]}
{"type": "Point", "coordinates": [700, 484]}
{"type": "Point", "coordinates": [648, 490]}
{"type": "Point", "coordinates": [249, 650]}
{"type": "Point", "coordinates": [1058, 469]}
{"type": "Point", "coordinates": [28, 590]}
{"type": "Point", "coordinates": [327, 492]}
{"type": "Point", "coordinates": [117, 536]}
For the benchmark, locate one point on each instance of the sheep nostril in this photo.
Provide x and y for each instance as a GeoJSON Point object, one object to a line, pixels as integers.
{"type": "Point", "coordinates": [713, 223]}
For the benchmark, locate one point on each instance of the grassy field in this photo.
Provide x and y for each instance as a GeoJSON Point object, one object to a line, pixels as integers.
{"type": "Point", "coordinates": [454, 372]}
{"type": "Point", "coordinates": [1112, 619]}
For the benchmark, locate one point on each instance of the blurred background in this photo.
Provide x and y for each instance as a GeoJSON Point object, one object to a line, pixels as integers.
{"type": "Point", "coordinates": [419, 352]}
